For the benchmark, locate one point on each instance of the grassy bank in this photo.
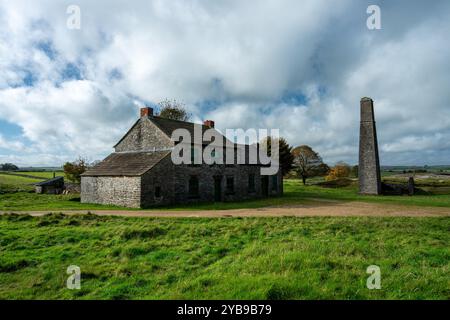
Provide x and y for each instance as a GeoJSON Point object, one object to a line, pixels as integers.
{"type": "Point", "coordinates": [295, 194]}
{"type": "Point", "coordinates": [14, 183]}
{"type": "Point", "coordinates": [229, 258]}
{"type": "Point", "coordinates": [22, 181]}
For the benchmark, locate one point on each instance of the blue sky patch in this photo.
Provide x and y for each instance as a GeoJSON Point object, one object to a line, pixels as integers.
{"type": "Point", "coordinates": [294, 98]}
{"type": "Point", "coordinates": [71, 72]}
{"type": "Point", "coordinates": [8, 129]}
{"type": "Point", "coordinates": [48, 48]}
{"type": "Point", "coordinates": [115, 74]}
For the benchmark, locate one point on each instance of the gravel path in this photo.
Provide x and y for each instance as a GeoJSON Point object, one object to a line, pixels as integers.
{"type": "Point", "coordinates": [323, 208]}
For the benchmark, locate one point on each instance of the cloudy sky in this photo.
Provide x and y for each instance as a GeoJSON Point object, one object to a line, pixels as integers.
{"type": "Point", "coordinates": [300, 66]}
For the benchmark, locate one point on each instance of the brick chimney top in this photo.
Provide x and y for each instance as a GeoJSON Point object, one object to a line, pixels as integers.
{"type": "Point", "coordinates": [146, 112]}
{"type": "Point", "coordinates": [209, 123]}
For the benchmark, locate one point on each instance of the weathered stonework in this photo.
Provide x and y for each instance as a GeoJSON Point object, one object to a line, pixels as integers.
{"type": "Point", "coordinates": [144, 136]}
{"type": "Point", "coordinates": [120, 191]}
{"type": "Point", "coordinates": [160, 176]}
{"type": "Point", "coordinates": [369, 163]}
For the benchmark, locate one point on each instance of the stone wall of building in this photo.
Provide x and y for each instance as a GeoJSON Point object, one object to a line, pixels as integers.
{"type": "Point", "coordinates": [157, 185]}
{"type": "Point", "coordinates": [168, 184]}
{"type": "Point", "coordinates": [121, 191]}
{"type": "Point", "coordinates": [207, 176]}
{"type": "Point", "coordinates": [144, 136]}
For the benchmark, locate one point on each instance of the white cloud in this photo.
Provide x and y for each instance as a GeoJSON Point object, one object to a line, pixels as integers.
{"type": "Point", "coordinates": [11, 144]}
{"type": "Point", "coordinates": [242, 57]}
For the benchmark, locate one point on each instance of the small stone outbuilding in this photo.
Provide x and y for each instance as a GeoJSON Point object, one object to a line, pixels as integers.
{"type": "Point", "coordinates": [51, 186]}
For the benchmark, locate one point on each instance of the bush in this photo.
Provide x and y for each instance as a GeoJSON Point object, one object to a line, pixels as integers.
{"type": "Point", "coordinates": [340, 170]}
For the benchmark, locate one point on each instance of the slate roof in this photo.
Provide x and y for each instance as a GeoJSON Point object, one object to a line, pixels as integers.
{"type": "Point", "coordinates": [127, 163]}
{"type": "Point", "coordinates": [51, 182]}
{"type": "Point", "coordinates": [169, 125]}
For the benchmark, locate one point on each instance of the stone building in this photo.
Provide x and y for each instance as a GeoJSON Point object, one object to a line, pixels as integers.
{"type": "Point", "coordinates": [50, 186]}
{"type": "Point", "coordinates": [141, 173]}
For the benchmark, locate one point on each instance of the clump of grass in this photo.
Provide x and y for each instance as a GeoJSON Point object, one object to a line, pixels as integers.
{"type": "Point", "coordinates": [135, 251]}
{"type": "Point", "coordinates": [50, 219]}
{"type": "Point", "coordinates": [147, 233]}
{"type": "Point", "coordinates": [338, 183]}
{"type": "Point", "coordinates": [11, 266]}
{"type": "Point", "coordinates": [16, 217]}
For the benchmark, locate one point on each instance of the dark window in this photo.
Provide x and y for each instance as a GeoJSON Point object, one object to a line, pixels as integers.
{"type": "Point", "coordinates": [193, 187]}
{"type": "Point", "coordinates": [274, 182]}
{"type": "Point", "coordinates": [195, 154]}
{"type": "Point", "coordinates": [192, 155]}
{"type": "Point", "coordinates": [157, 192]}
{"type": "Point", "coordinates": [214, 157]}
{"type": "Point", "coordinates": [251, 182]}
{"type": "Point", "coordinates": [230, 185]}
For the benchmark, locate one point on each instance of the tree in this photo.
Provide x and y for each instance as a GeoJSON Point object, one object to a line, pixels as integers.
{"type": "Point", "coordinates": [73, 170]}
{"type": "Point", "coordinates": [306, 162]}
{"type": "Point", "coordinates": [9, 167]}
{"type": "Point", "coordinates": [285, 153]}
{"type": "Point", "coordinates": [355, 171]}
{"type": "Point", "coordinates": [321, 170]}
{"type": "Point", "coordinates": [340, 170]}
{"type": "Point", "coordinates": [173, 110]}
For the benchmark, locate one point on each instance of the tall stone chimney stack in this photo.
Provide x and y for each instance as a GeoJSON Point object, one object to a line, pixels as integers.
{"type": "Point", "coordinates": [369, 162]}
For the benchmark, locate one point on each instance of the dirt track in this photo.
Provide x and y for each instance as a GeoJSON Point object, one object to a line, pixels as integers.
{"type": "Point", "coordinates": [322, 208]}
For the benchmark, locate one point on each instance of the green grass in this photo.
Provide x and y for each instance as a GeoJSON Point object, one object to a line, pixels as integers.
{"type": "Point", "coordinates": [41, 174]}
{"type": "Point", "coordinates": [23, 201]}
{"type": "Point", "coordinates": [351, 194]}
{"type": "Point", "coordinates": [295, 194]}
{"type": "Point", "coordinates": [14, 183]}
{"type": "Point", "coordinates": [11, 182]}
{"type": "Point", "coordinates": [223, 258]}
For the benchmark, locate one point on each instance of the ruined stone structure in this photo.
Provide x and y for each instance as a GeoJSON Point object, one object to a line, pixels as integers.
{"type": "Point", "coordinates": [369, 163]}
{"type": "Point", "coordinates": [140, 173]}
{"type": "Point", "coordinates": [50, 186]}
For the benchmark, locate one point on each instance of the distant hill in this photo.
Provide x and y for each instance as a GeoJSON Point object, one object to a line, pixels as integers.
{"type": "Point", "coordinates": [40, 169]}
{"type": "Point", "coordinates": [431, 169]}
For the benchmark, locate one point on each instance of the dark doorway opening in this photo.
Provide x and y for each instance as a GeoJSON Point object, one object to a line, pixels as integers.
{"type": "Point", "coordinates": [217, 188]}
{"type": "Point", "coordinates": [265, 186]}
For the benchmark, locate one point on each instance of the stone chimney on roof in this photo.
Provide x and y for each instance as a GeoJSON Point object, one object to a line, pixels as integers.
{"type": "Point", "coordinates": [146, 112]}
{"type": "Point", "coordinates": [209, 123]}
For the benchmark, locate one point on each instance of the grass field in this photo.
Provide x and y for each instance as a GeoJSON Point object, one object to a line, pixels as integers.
{"type": "Point", "coordinates": [23, 180]}
{"type": "Point", "coordinates": [42, 174]}
{"type": "Point", "coordinates": [34, 174]}
{"type": "Point", "coordinates": [223, 258]}
{"type": "Point", "coordinates": [12, 183]}
{"type": "Point", "coordinates": [295, 193]}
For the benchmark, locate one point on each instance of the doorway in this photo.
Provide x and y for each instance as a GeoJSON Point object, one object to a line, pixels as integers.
{"type": "Point", "coordinates": [217, 188]}
{"type": "Point", "coordinates": [265, 186]}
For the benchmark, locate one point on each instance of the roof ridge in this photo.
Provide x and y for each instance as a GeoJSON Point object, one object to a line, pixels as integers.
{"type": "Point", "coordinates": [188, 122]}
{"type": "Point", "coordinates": [143, 151]}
